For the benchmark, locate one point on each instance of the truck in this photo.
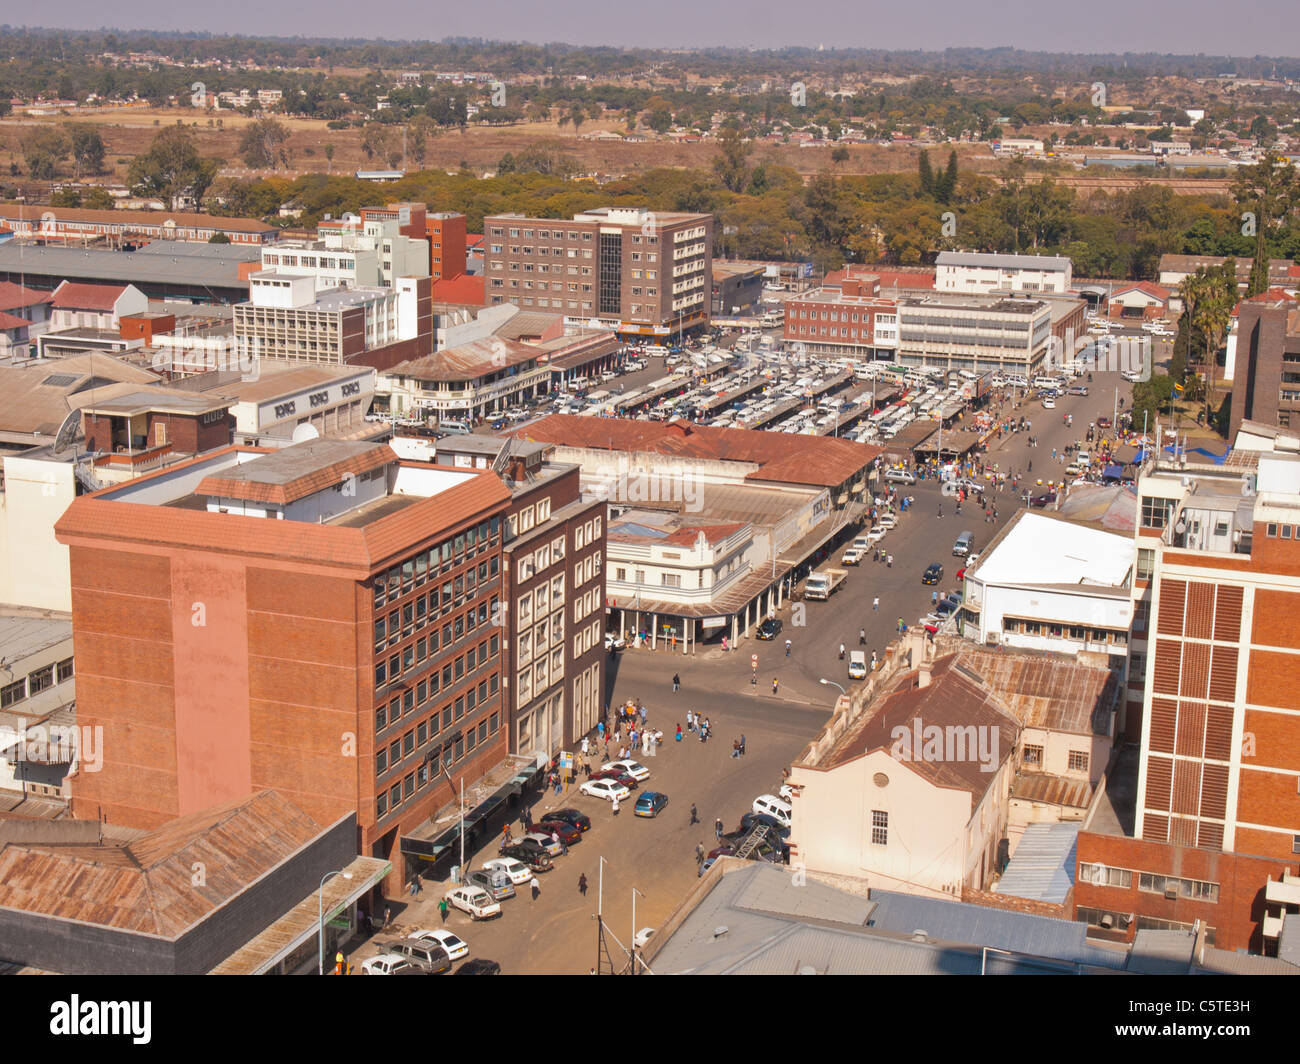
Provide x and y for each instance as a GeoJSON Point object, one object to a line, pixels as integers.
{"type": "Point", "coordinates": [823, 583]}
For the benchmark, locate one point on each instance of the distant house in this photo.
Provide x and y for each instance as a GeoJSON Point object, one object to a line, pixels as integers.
{"type": "Point", "coordinates": [1143, 301]}
{"type": "Point", "coordinates": [94, 306]}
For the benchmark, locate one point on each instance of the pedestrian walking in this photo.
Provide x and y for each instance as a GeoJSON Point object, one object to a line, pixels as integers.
{"type": "Point", "coordinates": [678, 736]}
{"type": "Point", "coordinates": [582, 884]}
{"type": "Point", "coordinates": [862, 636]}
{"type": "Point", "coordinates": [775, 685]}
{"type": "Point", "coordinates": [690, 721]}
{"type": "Point", "coordinates": [584, 746]}
{"type": "Point", "coordinates": [614, 807]}
{"type": "Point", "coordinates": [889, 561]}
{"type": "Point", "coordinates": [699, 854]}
{"type": "Point", "coordinates": [677, 683]}
{"type": "Point", "coordinates": [695, 814]}
{"type": "Point", "coordinates": [875, 604]}
{"type": "Point", "coordinates": [717, 828]}
{"type": "Point", "coordinates": [900, 626]}
{"type": "Point", "coordinates": [535, 887]}
{"type": "Point", "coordinates": [787, 648]}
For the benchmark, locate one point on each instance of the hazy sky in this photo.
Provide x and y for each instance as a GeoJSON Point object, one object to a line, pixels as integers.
{"type": "Point", "coordinates": [1242, 28]}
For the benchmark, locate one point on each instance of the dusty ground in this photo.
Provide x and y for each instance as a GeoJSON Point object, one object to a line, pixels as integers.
{"type": "Point", "coordinates": [128, 132]}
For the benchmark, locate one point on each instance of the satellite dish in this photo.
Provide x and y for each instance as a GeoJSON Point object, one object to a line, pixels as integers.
{"type": "Point", "coordinates": [69, 432]}
{"type": "Point", "coordinates": [303, 433]}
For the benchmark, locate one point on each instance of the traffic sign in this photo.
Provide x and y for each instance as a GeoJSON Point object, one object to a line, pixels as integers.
{"type": "Point", "coordinates": [753, 661]}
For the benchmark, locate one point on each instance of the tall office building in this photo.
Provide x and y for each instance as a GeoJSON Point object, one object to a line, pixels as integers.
{"type": "Point", "coordinates": [638, 272]}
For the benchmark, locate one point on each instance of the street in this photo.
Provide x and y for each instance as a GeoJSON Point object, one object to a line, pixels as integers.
{"type": "Point", "coordinates": [557, 933]}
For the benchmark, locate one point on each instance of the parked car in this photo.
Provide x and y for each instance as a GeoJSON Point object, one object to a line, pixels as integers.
{"type": "Point", "coordinates": [518, 872]}
{"type": "Point", "coordinates": [581, 821]}
{"type": "Point", "coordinates": [531, 853]}
{"type": "Point", "coordinates": [933, 574]}
{"type": "Point", "coordinates": [1049, 403]}
{"type": "Point", "coordinates": [900, 476]}
{"type": "Point", "coordinates": [625, 778]}
{"type": "Point", "coordinates": [852, 556]}
{"type": "Point", "coordinates": [750, 820]}
{"type": "Point", "coordinates": [857, 665]}
{"type": "Point", "coordinates": [614, 642]}
{"type": "Point", "coordinates": [887, 521]}
{"type": "Point", "coordinates": [391, 964]}
{"type": "Point", "coordinates": [455, 946]}
{"type": "Point", "coordinates": [770, 628]}
{"type": "Point", "coordinates": [1045, 499]}
{"type": "Point", "coordinates": [1103, 422]}
{"type": "Point", "coordinates": [428, 955]}
{"type": "Point", "coordinates": [774, 807]}
{"type": "Point", "coordinates": [540, 835]}
{"type": "Point", "coordinates": [479, 966]}
{"type": "Point", "coordinates": [634, 769]}
{"type": "Point", "coordinates": [496, 884]}
{"type": "Point", "coordinates": [607, 789]}
{"type": "Point", "coordinates": [650, 803]}
{"type": "Point", "coordinates": [473, 900]}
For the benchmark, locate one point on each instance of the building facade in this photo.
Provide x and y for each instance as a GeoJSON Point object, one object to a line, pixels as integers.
{"type": "Point", "coordinates": [1266, 374]}
{"type": "Point", "coordinates": [636, 271]}
{"type": "Point", "coordinates": [316, 620]}
{"type": "Point", "coordinates": [978, 274]}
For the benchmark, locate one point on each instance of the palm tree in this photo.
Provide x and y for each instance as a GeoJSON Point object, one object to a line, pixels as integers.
{"type": "Point", "coordinates": [1213, 315]}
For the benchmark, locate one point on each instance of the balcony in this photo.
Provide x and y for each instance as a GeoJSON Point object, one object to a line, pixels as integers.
{"type": "Point", "coordinates": [134, 462]}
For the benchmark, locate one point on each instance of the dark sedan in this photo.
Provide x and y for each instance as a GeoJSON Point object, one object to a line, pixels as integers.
{"type": "Point", "coordinates": [617, 776]}
{"type": "Point", "coordinates": [770, 628]}
{"type": "Point", "coordinates": [581, 821]}
{"type": "Point", "coordinates": [529, 853]}
{"type": "Point", "coordinates": [567, 832]}
{"type": "Point", "coordinates": [933, 574]}
{"type": "Point", "coordinates": [1045, 499]}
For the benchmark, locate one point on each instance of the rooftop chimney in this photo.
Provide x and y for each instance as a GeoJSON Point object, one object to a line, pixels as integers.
{"type": "Point", "coordinates": [923, 675]}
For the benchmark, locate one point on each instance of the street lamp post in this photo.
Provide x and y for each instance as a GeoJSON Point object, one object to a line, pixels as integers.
{"type": "Point", "coordinates": [832, 683]}
{"type": "Point", "coordinates": [320, 913]}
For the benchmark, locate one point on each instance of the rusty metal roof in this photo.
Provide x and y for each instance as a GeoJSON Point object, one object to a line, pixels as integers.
{"type": "Point", "coordinates": [1048, 691]}
{"type": "Point", "coordinates": [1052, 790]}
{"type": "Point", "coordinates": [148, 885]}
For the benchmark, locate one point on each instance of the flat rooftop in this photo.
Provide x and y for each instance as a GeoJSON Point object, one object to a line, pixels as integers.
{"type": "Point", "coordinates": [1037, 549]}
{"type": "Point", "coordinates": [22, 636]}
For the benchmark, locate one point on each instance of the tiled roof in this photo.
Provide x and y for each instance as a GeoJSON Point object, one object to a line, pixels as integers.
{"type": "Point", "coordinates": [781, 457]}
{"type": "Point", "coordinates": [1157, 291]}
{"type": "Point", "coordinates": [12, 321]}
{"type": "Point", "coordinates": [126, 218]}
{"type": "Point", "coordinates": [101, 297]}
{"type": "Point", "coordinates": [13, 296]}
{"type": "Point", "coordinates": [467, 289]}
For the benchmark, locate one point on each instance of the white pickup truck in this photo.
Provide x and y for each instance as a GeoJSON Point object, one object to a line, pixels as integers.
{"type": "Point", "coordinates": [822, 584]}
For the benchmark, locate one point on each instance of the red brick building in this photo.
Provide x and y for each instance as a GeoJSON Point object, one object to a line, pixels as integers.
{"type": "Point", "coordinates": [842, 317]}
{"type": "Point", "coordinates": [317, 620]}
{"type": "Point", "coordinates": [445, 231]}
{"type": "Point", "coordinates": [1217, 611]}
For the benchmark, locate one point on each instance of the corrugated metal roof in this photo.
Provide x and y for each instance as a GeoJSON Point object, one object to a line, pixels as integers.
{"type": "Point", "coordinates": [1048, 691]}
{"type": "Point", "coordinates": [148, 885]}
{"type": "Point", "coordinates": [953, 921]}
{"type": "Point", "coordinates": [1003, 262]}
{"type": "Point", "coordinates": [1161, 952]}
{"type": "Point", "coordinates": [1042, 868]}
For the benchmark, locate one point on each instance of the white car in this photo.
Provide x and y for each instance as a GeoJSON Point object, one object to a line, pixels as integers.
{"type": "Point", "coordinates": [518, 872]}
{"type": "Point", "coordinates": [386, 964]}
{"type": "Point", "coordinates": [455, 946]}
{"type": "Point", "coordinates": [1049, 403]}
{"type": "Point", "coordinates": [775, 807]}
{"type": "Point", "coordinates": [634, 769]}
{"type": "Point", "coordinates": [473, 900]}
{"type": "Point", "coordinates": [614, 642]}
{"type": "Point", "coordinates": [551, 847]}
{"type": "Point", "coordinates": [876, 534]}
{"type": "Point", "coordinates": [786, 793]}
{"type": "Point", "coordinates": [607, 789]}
{"type": "Point", "coordinates": [900, 476]}
{"type": "Point", "coordinates": [887, 521]}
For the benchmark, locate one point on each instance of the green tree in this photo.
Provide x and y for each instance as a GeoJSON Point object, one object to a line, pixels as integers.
{"type": "Point", "coordinates": [43, 149]}
{"type": "Point", "coordinates": [262, 145]}
{"type": "Point", "coordinates": [1213, 316]}
{"type": "Point", "coordinates": [731, 164]}
{"type": "Point", "coordinates": [1151, 400]}
{"type": "Point", "coordinates": [218, 238]}
{"type": "Point", "coordinates": [172, 168]}
{"type": "Point", "coordinates": [87, 148]}
{"type": "Point", "coordinates": [927, 174]}
{"type": "Point", "coordinates": [1270, 191]}
{"type": "Point", "coordinates": [839, 154]}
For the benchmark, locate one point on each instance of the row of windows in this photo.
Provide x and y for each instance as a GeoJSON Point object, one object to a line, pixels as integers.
{"type": "Point", "coordinates": [455, 750]}
{"type": "Point", "coordinates": [587, 569]}
{"type": "Point", "coordinates": [586, 533]}
{"type": "Point", "coordinates": [854, 334]}
{"type": "Point", "coordinates": [418, 612]}
{"type": "Point", "coordinates": [1110, 636]}
{"type": "Point", "coordinates": [586, 604]}
{"type": "Point", "coordinates": [388, 672]}
{"type": "Point", "coordinates": [547, 632]}
{"type": "Point", "coordinates": [1099, 875]}
{"type": "Point", "coordinates": [529, 517]}
{"type": "Point", "coordinates": [450, 553]}
{"type": "Point", "coordinates": [534, 562]}
{"type": "Point", "coordinates": [537, 677]}
{"type": "Point", "coordinates": [417, 696]}
{"type": "Point", "coordinates": [833, 315]}
{"type": "Point", "coordinates": [1076, 760]}
{"type": "Point", "coordinates": [11, 694]}
{"type": "Point", "coordinates": [540, 601]}
{"type": "Point", "coordinates": [389, 757]}
{"type": "Point", "coordinates": [403, 623]}
{"type": "Point", "coordinates": [1283, 531]}
{"type": "Point", "coordinates": [586, 639]}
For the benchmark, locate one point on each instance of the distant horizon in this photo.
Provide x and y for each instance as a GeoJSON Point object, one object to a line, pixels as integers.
{"type": "Point", "coordinates": [1113, 28]}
